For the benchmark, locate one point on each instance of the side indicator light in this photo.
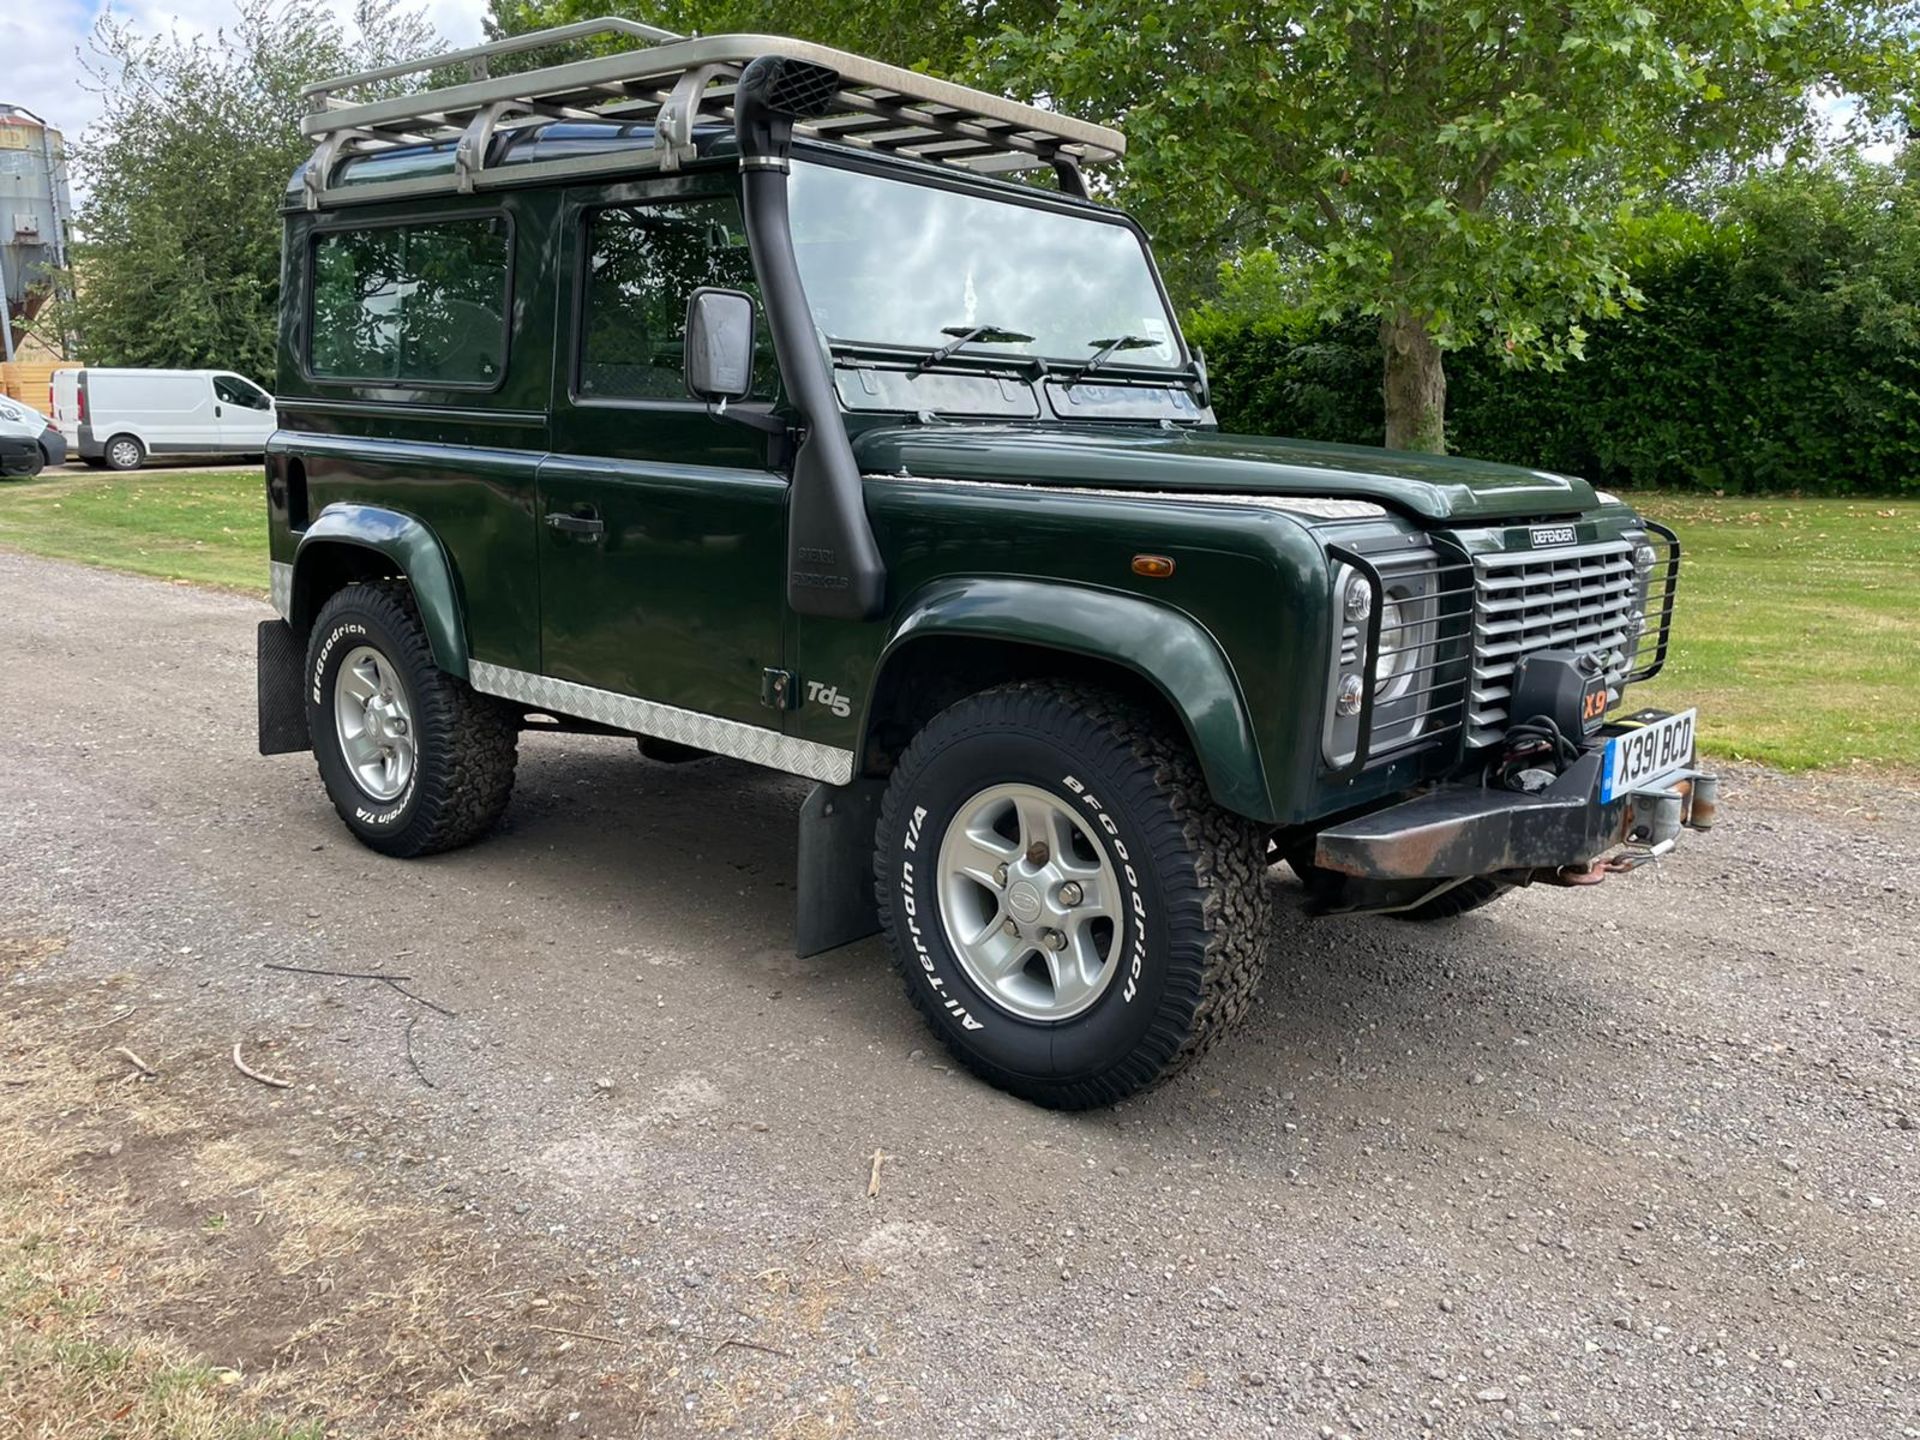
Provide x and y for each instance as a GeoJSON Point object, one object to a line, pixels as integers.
{"type": "Point", "coordinates": [1153, 567]}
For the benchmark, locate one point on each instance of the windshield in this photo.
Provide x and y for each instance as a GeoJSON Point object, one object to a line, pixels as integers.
{"type": "Point", "coordinates": [890, 262]}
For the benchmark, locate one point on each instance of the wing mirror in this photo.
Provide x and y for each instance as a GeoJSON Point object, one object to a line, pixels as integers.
{"type": "Point", "coordinates": [719, 345]}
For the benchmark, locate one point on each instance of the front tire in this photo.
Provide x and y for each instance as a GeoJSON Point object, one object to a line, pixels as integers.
{"type": "Point", "coordinates": [414, 760]}
{"type": "Point", "coordinates": [1070, 911]}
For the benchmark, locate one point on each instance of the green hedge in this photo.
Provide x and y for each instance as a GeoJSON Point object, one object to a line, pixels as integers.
{"type": "Point", "coordinates": [1778, 348]}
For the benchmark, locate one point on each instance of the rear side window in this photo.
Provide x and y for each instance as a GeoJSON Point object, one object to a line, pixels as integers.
{"type": "Point", "coordinates": [419, 304]}
{"type": "Point", "coordinates": [643, 262]}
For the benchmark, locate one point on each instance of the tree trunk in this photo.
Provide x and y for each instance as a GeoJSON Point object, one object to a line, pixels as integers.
{"type": "Point", "coordinates": [1415, 384]}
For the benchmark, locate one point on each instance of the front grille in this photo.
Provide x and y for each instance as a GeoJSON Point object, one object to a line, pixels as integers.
{"type": "Point", "coordinates": [1579, 597]}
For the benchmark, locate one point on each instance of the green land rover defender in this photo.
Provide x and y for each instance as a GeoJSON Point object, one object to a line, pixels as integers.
{"type": "Point", "coordinates": [726, 392]}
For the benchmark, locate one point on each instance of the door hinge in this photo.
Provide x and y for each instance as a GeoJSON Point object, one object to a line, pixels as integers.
{"type": "Point", "coordinates": [777, 690]}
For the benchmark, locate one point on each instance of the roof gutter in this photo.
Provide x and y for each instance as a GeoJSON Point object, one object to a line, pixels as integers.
{"type": "Point", "coordinates": [833, 563]}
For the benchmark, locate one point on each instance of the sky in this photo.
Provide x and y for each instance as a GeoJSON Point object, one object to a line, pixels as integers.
{"type": "Point", "coordinates": [40, 40]}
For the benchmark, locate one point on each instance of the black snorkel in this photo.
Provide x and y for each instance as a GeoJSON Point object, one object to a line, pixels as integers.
{"type": "Point", "coordinates": [833, 565]}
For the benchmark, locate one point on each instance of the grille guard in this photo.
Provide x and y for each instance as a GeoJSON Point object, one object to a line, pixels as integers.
{"type": "Point", "coordinates": [1451, 673]}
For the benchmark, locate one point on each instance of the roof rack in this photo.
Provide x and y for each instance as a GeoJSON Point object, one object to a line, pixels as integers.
{"type": "Point", "coordinates": [672, 83]}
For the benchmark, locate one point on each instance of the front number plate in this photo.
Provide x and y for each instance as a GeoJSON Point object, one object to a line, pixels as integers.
{"type": "Point", "coordinates": [1641, 759]}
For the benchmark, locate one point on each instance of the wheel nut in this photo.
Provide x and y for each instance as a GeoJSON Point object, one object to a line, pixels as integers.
{"type": "Point", "coordinates": [1000, 876]}
{"type": "Point", "coordinates": [1071, 894]}
{"type": "Point", "coordinates": [1011, 928]}
{"type": "Point", "coordinates": [1053, 939]}
{"type": "Point", "coordinates": [397, 725]}
{"type": "Point", "coordinates": [1037, 853]}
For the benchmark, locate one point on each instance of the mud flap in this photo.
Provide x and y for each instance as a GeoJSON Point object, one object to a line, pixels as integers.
{"type": "Point", "coordinates": [834, 902]}
{"type": "Point", "coordinates": [282, 662]}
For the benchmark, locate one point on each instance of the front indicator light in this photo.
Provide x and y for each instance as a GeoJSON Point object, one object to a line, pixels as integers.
{"type": "Point", "coordinates": [1347, 702]}
{"type": "Point", "coordinates": [1359, 599]}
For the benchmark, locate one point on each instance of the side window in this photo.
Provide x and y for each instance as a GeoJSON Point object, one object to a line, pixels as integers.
{"type": "Point", "coordinates": [232, 390]}
{"type": "Point", "coordinates": [642, 263]}
{"type": "Point", "coordinates": [423, 304]}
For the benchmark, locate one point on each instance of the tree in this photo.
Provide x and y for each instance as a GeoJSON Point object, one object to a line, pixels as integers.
{"type": "Point", "coordinates": [179, 258]}
{"type": "Point", "coordinates": [1451, 168]}
{"type": "Point", "coordinates": [939, 37]}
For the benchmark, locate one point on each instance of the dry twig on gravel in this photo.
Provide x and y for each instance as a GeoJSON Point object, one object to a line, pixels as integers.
{"type": "Point", "coordinates": [583, 1334]}
{"type": "Point", "coordinates": [137, 1063]}
{"type": "Point", "coordinates": [873, 1180]}
{"type": "Point", "coordinates": [721, 1342]}
{"type": "Point", "coordinates": [336, 974]}
{"type": "Point", "coordinates": [413, 1020]}
{"type": "Point", "coordinates": [394, 982]}
{"type": "Point", "coordinates": [111, 1020]}
{"type": "Point", "coordinates": [418, 999]}
{"type": "Point", "coordinates": [253, 1074]}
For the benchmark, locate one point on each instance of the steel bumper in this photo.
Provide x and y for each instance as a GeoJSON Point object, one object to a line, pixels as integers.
{"type": "Point", "coordinates": [1465, 830]}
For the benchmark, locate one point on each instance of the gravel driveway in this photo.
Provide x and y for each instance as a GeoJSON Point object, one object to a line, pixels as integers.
{"type": "Point", "coordinates": [1639, 1160]}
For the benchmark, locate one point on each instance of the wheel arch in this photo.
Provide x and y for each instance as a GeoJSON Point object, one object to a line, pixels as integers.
{"type": "Point", "coordinates": [351, 542]}
{"type": "Point", "coordinates": [958, 636]}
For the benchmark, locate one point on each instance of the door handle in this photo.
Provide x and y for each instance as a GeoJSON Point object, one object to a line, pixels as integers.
{"type": "Point", "coordinates": [587, 525]}
{"type": "Point", "coordinates": [218, 412]}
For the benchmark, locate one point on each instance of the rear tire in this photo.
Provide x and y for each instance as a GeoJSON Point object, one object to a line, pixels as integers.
{"type": "Point", "coordinates": [124, 452]}
{"type": "Point", "coordinates": [414, 760]}
{"type": "Point", "coordinates": [1097, 993]}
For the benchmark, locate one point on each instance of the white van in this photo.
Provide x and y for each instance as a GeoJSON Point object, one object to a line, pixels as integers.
{"type": "Point", "coordinates": [118, 418]}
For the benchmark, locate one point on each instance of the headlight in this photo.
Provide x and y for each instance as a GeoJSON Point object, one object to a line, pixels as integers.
{"type": "Point", "coordinates": [1393, 666]}
{"type": "Point", "coordinates": [1645, 560]}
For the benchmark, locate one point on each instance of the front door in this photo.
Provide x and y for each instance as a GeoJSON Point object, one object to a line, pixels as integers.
{"type": "Point", "coordinates": [662, 529]}
{"type": "Point", "coordinates": [245, 413]}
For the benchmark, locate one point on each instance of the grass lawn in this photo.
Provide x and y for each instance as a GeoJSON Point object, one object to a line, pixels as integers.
{"type": "Point", "coordinates": [209, 527]}
{"type": "Point", "coordinates": [1798, 630]}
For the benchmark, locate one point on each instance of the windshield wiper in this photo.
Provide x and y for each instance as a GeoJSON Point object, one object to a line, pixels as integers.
{"type": "Point", "coordinates": [965, 335]}
{"type": "Point", "coordinates": [1108, 349]}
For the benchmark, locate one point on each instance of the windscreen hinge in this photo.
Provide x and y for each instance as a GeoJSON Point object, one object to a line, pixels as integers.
{"type": "Point", "coordinates": [777, 690]}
